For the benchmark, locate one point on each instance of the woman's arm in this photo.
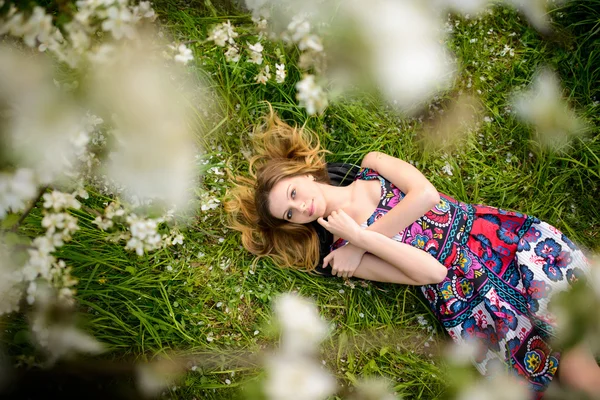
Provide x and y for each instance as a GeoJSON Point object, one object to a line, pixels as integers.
{"type": "Point", "coordinates": [418, 266]}
{"type": "Point", "coordinates": [373, 268]}
{"type": "Point", "coordinates": [415, 266]}
{"type": "Point", "coordinates": [420, 195]}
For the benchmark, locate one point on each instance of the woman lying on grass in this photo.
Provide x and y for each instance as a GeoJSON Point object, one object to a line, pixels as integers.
{"type": "Point", "coordinates": [487, 273]}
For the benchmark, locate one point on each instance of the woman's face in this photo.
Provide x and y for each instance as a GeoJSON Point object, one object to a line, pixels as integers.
{"type": "Point", "coordinates": [297, 199]}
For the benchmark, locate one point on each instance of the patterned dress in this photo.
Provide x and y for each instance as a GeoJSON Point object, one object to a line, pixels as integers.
{"type": "Point", "coordinates": [502, 268]}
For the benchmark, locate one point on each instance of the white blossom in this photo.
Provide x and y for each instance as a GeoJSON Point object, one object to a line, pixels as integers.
{"type": "Point", "coordinates": [222, 34]}
{"type": "Point", "coordinates": [232, 54]}
{"type": "Point", "coordinates": [375, 389]}
{"type": "Point", "coordinates": [535, 11]}
{"type": "Point", "coordinates": [311, 42]}
{"type": "Point", "coordinates": [58, 201]}
{"type": "Point", "coordinates": [154, 144]}
{"type": "Point", "coordinates": [255, 53]}
{"type": "Point", "coordinates": [185, 55]}
{"type": "Point", "coordinates": [209, 203]}
{"type": "Point", "coordinates": [280, 73]}
{"type": "Point", "coordinates": [302, 328]}
{"type": "Point", "coordinates": [462, 6]}
{"type": "Point", "coordinates": [58, 339]}
{"type": "Point", "coordinates": [102, 223]}
{"type": "Point", "coordinates": [177, 239]}
{"type": "Point", "coordinates": [264, 75]}
{"type": "Point", "coordinates": [62, 225]}
{"type": "Point", "coordinates": [144, 235]}
{"type": "Point", "coordinates": [500, 386]}
{"type": "Point", "coordinates": [299, 27]}
{"type": "Point", "coordinates": [543, 107]}
{"type": "Point", "coordinates": [447, 168]}
{"type": "Point", "coordinates": [78, 36]}
{"type": "Point", "coordinates": [310, 95]}
{"type": "Point", "coordinates": [39, 264]}
{"type": "Point", "coordinates": [407, 55]}
{"type": "Point", "coordinates": [16, 189]}
{"type": "Point", "coordinates": [143, 10]}
{"type": "Point", "coordinates": [43, 122]}
{"type": "Point", "coordinates": [119, 23]}
{"type": "Point", "coordinates": [114, 210]}
{"type": "Point", "coordinates": [297, 378]}
{"type": "Point", "coordinates": [39, 24]}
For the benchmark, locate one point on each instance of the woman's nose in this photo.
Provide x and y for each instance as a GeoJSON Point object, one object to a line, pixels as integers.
{"type": "Point", "coordinates": [301, 205]}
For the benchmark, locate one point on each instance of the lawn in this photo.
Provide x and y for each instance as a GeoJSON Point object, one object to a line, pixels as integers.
{"type": "Point", "coordinates": [210, 301]}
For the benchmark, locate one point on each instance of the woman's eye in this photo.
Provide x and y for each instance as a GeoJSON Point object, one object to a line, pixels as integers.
{"type": "Point", "coordinates": [293, 193]}
{"type": "Point", "coordinates": [289, 214]}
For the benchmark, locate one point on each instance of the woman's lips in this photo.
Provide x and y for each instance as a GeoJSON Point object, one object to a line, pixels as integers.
{"type": "Point", "coordinates": [311, 211]}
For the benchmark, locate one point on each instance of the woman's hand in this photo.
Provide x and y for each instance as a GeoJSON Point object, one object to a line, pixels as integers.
{"type": "Point", "coordinates": [344, 261]}
{"type": "Point", "coordinates": [340, 224]}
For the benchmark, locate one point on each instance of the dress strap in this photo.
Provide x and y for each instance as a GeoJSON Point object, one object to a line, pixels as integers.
{"type": "Point", "coordinates": [368, 174]}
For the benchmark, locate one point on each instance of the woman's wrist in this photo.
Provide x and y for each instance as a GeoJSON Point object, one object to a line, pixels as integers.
{"type": "Point", "coordinates": [359, 238]}
{"type": "Point", "coordinates": [357, 245]}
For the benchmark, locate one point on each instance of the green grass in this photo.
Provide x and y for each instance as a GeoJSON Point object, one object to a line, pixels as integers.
{"type": "Point", "coordinates": [140, 309]}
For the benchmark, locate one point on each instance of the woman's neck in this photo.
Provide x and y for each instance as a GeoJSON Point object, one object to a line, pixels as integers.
{"type": "Point", "coordinates": [337, 197]}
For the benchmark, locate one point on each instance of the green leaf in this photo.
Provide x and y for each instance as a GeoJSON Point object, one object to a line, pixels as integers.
{"type": "Point", "coordinates": [21, 337]}
{"type": "Point", "coordinates": [351, 377]}
{"type": "Point", "coordinates": [130, 269]}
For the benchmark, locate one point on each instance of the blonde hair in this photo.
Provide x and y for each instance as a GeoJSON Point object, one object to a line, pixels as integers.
{"type": "Point", "coordinates": [282, 151]}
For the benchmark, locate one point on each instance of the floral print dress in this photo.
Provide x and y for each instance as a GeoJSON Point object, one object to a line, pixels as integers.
{"type": "Point", "coordinates": [502, 268]}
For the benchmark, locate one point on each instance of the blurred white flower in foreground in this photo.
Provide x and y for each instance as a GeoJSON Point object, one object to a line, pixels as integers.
{"type": "Point", "coordinates": [292, 372]}
{"type": "Point", "coordinates": [310, 95]}
{"type": "Point", "coordinates": [153, 156]}
{"type": "Point", "coordinates": [154, 377]}
{"type": "Point", "coordinates": [500, 386]}
{"type": "Point", "coordinates": [41, 124]}
{"type": "Point", "coordinates": [543, 107]}
{"type": "Point", "coordinates": [119, 22]}
{"type": "Point", "coordinates": [54, 331]}
{"type": "Point", "coordinates": [16, 189]}
{"type": "Point", "coordinates": [302, 327]}
{"type": "Point", "coordinates": [11, 282]}
{"type": "Point", "coordinates": [397, 46]}
{"type": "Point", "coordinates": [297, 378]}
{"type": "Point", "coordinates": [373, 389]}
{"type": "Point", "coordinates": [461, 6]}
{"type": "Point", "coordinates": [406, 50]}
{"type": "Point", "coordinates": [536, 11]}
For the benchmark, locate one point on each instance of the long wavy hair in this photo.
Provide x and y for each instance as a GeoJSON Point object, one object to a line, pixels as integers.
{"type": "Point", "coordinates": [281, 151]}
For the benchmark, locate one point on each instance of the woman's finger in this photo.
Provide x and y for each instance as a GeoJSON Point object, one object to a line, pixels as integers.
{"type": "Point", "coordinates": [327, 258]}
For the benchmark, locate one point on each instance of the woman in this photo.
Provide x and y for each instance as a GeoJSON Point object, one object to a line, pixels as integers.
{"type": "Point", "coordinates": [486, 273]}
